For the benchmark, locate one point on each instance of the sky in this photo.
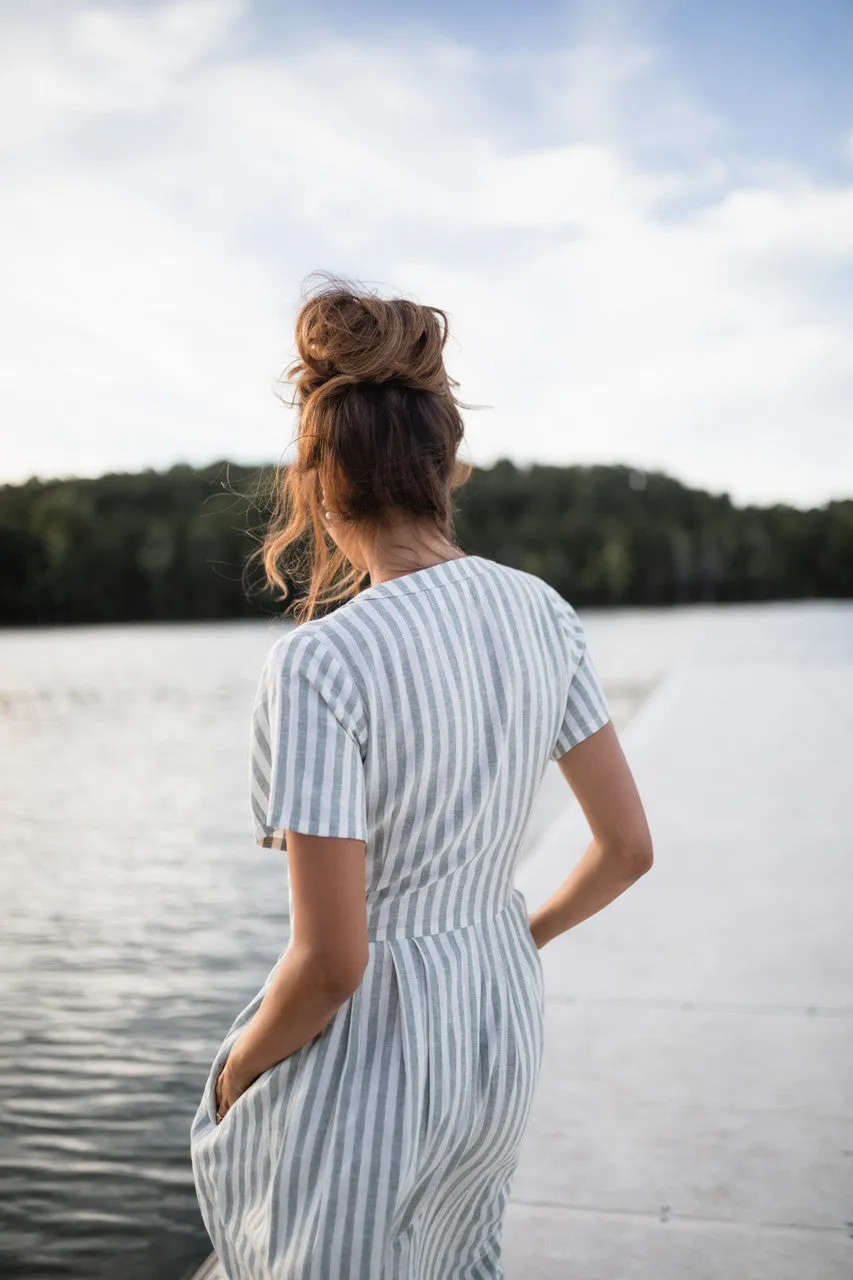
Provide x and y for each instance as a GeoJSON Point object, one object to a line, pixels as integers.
{"type": "Point", "coordinates": [638, 217]}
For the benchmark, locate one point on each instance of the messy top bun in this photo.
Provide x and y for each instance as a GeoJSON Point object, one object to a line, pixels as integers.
{"type": "Point", "coordinates": [379, 429]}
{"type": "Point", "coordinates": [344, 338]}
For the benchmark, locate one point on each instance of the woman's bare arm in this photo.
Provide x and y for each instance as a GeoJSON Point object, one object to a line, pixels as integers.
{"type": "Point", "coordinates": [322, 966]}
{"type": "Point", "coordinates": [621, 848]}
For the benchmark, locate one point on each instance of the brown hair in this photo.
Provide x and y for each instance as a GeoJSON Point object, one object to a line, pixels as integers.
{"type": "Point", "coordinates": [378, 428]}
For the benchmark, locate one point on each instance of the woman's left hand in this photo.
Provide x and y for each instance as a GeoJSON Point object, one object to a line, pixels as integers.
{"type": "Point", "coordinates": [228, 1090]}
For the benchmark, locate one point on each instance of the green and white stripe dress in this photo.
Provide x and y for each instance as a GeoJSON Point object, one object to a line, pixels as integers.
{"type": "Point", "coordinates": [419, 717]}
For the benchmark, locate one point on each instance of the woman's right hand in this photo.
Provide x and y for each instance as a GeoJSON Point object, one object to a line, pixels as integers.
{"type": "Point", "coordinates": [531, 924]}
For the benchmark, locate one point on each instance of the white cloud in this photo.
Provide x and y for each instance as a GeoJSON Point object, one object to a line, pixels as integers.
{"type": "Point", "coordinates": [169, 186]}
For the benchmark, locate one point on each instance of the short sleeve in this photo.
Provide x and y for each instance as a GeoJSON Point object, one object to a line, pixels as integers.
{"type": "Point", "coordinates": [306, 765]}
{"type": "Point", "coordinates": [585, 709]}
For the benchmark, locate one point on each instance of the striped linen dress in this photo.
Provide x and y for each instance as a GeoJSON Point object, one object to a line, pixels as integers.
{"type": "Point", "coordinates": [419, 717]}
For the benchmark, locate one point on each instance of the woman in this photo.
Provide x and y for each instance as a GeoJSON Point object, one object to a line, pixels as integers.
{"type": "Point", "coordinates": [363, 1117]}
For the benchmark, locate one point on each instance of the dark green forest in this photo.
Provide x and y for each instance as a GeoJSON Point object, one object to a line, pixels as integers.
{"type": "Point", "coordinates": [173, 545]}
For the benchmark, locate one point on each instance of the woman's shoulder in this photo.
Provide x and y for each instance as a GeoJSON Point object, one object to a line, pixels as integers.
{"type": "Point", "coordinates": [538, 589]}
{"type": "Point", "coordinates": [307, 658]}
{"type": "Point", "coordinates": [301, 643]}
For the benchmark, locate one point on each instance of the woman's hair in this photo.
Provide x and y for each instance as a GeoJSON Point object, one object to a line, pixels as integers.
{"type": "Point", "coordinates": [378, 428]}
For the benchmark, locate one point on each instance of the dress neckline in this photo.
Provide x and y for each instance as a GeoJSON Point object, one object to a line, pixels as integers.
{"type": "Point", "coordinates": [433, 575]}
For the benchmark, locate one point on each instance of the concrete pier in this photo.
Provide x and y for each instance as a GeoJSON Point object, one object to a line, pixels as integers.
{"type": "Point", "coordinates": [694, 1117]}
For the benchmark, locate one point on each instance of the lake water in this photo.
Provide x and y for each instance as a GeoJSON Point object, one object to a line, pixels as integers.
{"type": "Point", "coordinates": [139, 917]}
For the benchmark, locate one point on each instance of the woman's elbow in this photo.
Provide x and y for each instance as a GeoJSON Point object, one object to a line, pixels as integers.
{"type": "Point", "coordinates": [641, 858]}
{"type": "Point", "coordinates": [340, 977]}
{"type": "Point", "coordinates": [333, 975]}
{"type": "Point", "coordinates": [635, 856]}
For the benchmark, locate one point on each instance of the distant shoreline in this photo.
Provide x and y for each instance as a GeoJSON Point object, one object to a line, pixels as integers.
{"type": "Point", "coordinates": [173, 546]}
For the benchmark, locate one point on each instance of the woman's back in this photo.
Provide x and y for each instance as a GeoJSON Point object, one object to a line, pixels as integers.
{"type": "Point", "coordinates": [420, 717]}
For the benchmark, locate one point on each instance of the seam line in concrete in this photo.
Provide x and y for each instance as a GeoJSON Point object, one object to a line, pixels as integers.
{"type": "Point", "coordinates": [710, 1006]}
{"type": "Point", "coordinates": [690, 1219]}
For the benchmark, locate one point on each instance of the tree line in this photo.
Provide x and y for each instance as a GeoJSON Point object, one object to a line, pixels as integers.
{"type": "Point", "coordinates": [173, 545]}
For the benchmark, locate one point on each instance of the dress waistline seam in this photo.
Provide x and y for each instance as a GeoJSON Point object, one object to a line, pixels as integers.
{"type": "Point", "coordinates": [388, 933]}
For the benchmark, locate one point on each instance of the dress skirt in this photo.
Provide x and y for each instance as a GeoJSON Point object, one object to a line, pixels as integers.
{"type": "Point", "coordinates": [384, 1148]}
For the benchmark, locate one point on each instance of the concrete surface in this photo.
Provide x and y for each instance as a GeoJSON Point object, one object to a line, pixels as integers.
{"type": "Point", "coordinates": [694, 1117]}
